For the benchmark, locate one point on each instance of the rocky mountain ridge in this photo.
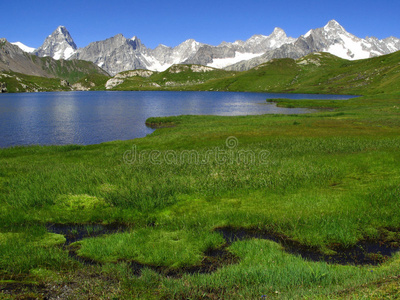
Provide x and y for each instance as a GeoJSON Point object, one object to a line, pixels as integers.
{"type": "Point", "coordinates": [333, 39]}
{"type": "Point", "coordinates": [117, 54]}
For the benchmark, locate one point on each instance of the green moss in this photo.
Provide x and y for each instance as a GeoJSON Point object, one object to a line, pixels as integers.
{"type": "Point", "coordinates": [46, 240]}
{"type": "Point", "coordinates": [9, 236]}
{"type": "Point", "coordinates": [50, 240]}
{"type": "Point", "coordinates": [45, 275]}
{"type": "Point", "coordinates": [80, 202]}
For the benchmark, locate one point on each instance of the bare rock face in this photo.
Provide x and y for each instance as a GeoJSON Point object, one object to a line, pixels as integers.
{"type": "Point", "coordinates": [113, 82]}
{"type": "Point", "coordinates": [134, 73]}
{"type": "Point", "coordinates": [114, 55]}
{"type": "Point", "coordinates": [200, 69]}
{"type": "Point", "coordinates": [64, 83]}
{"type": "Point", "coordinates": [3, 87]}
{"type": "Point", "coordinates": [80, 87]}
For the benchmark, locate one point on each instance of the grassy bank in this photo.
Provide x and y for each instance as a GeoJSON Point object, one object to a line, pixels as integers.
{"type": "Point", "coordinates": [324, 180]}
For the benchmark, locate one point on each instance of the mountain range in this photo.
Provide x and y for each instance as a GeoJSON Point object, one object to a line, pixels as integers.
{"type": "Point", "coordinates": [118, 53]}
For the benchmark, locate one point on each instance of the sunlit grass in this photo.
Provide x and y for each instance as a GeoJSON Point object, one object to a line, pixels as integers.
{"type": "Point", "coordinates": [324, 179]}
{"type": "Point", "coordinates": [153, 246]}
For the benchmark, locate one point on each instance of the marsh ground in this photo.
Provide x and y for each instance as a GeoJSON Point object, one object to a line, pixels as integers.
{"type": "Point", "coordinates": [325, 181]}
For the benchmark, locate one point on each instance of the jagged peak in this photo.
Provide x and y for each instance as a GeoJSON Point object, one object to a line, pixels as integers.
{"type": "Point", "coordinates": [61, 33]}
{"type": "Point", "coordinates": [162, 46]}
{"type": "Point", "coordinates": [119, 35]}
{"type": "Point", "coordinates": [333, 24]}
{"type": "Point", "coordinates": [278, 30]}
{"type": "Point", "coordinates": [135, 42]}
{"type": "Point", "coordinates": [58, 45]}
{"type": "Point", "coordinates": [255, 38]}
{"type": "Point", "coordinates": [61, 30]}
{"type": "Point", "coordinates": [190, 41]}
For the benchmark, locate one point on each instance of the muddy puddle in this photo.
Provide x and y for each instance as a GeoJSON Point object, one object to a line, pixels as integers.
{"type": "Point", "coordinates": [212, 261]}
{"type": "Point", "coordinates": [364, 252]}
{"type": "Point", "coordinates": [77, 232]}
{"type": "Point", "coordinates": [14, 289]}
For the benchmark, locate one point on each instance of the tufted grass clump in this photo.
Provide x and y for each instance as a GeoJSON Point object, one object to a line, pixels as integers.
{"type": "Point", "coordinates": [157, 247]}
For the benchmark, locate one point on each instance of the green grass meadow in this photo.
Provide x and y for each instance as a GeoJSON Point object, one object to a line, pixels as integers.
{"type": "Point", "coordinates": [323, 179]}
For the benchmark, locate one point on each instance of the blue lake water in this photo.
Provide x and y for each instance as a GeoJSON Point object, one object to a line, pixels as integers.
{"type": "Point", "coordinates": [84, 118]}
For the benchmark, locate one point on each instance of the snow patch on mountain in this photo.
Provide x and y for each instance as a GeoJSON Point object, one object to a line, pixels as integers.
{"type": "Point", "coordinates": [308, 33]}
{"type": "Point", "coordinates": [348, 48]}
{"type": "Point", "coordinates": [221, 63]}
{"type": "Point", "coordinates": [23, 47]}
{"type": "Point", "coordinates": [155, 65]}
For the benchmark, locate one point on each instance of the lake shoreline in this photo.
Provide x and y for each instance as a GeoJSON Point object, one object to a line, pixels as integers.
{"type": "Point", "coordinates": [87, 118]}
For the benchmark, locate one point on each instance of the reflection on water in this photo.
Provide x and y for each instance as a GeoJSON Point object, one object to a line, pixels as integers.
{"type": "Point", "coordinates": [95, 117]}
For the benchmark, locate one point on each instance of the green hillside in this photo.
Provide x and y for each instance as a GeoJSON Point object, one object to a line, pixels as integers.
{"type": "Point", "coordinates": [93, 82]}
{"type": "Point", "coordinates": [17, 83]}
{"type": "Point", "coordinates": [70, 70]}
{"type": "Point", "coordinates": [320, 73]}
{"type": "Point", "coordinates": [314, 73]}
{"type": "Point", "coordinates": [177, 77]}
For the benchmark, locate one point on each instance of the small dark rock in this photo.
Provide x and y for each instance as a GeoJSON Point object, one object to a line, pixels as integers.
{"type": "Point", "coordinates": [3, 87]}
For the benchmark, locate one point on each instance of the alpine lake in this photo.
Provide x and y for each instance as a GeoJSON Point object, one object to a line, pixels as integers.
{"type": "Point", "coordinates": [94, 117]}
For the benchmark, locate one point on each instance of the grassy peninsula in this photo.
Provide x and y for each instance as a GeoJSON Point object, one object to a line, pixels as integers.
{"type": "Point", "coordinates": [150, 218]}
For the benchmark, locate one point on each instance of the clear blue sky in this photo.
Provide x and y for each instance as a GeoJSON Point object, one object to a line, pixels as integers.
{"type": "Point", "coordinates": [171, 22]}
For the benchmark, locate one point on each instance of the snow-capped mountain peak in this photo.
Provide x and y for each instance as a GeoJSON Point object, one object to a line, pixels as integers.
{"type": "Point", "coordinates": [190, 43]}
{"type": "Point", "coordinates": [262, 43]}
{"type": "Point", "coordinates": [341, 43]}
{"type": "Point", "coordinates": [58, 45]}
{"type": "Point", "coordinates": [333, 25]}
{"type": "Point", "coordinates": [278, 32]}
